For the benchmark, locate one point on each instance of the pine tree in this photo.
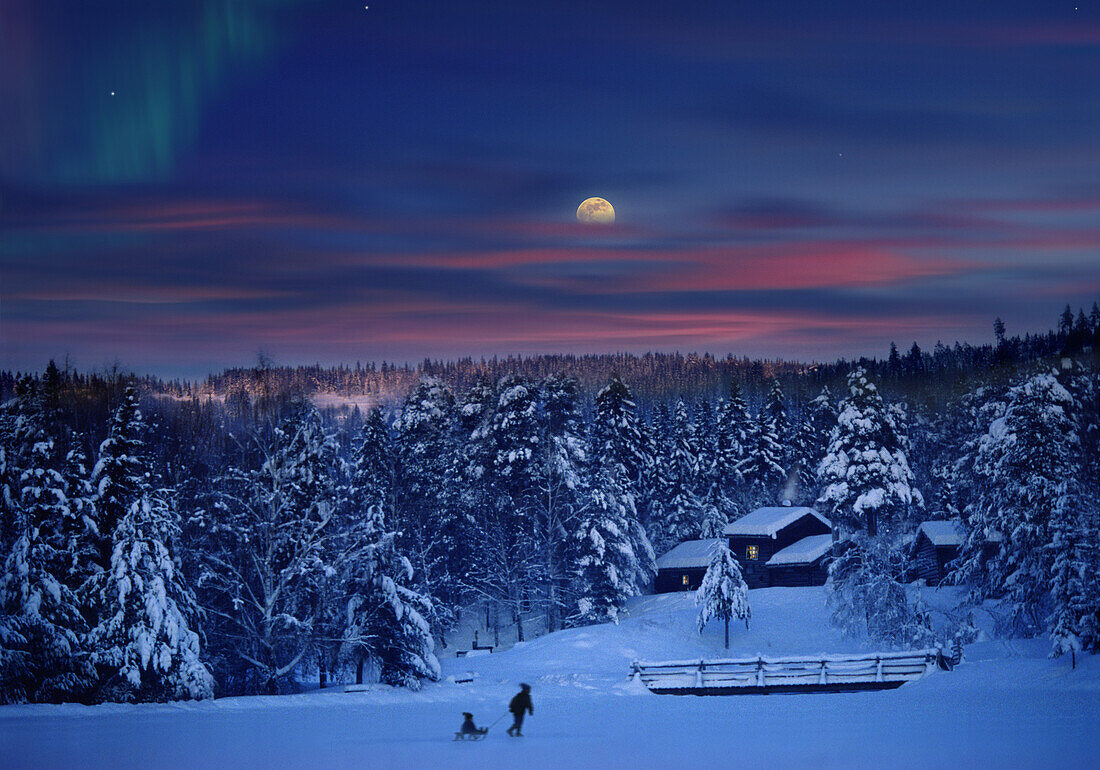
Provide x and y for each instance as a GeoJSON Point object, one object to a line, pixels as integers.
{"type": "Point", "coordinates": [704, 441]}
{"type": "Point", "coordinates": [777, 413]}
{"type": "Point", "coordinates": [763, 470]}
{"type": "Point", "coordinates": [118, 474]}
{"type": "Point", "coordinates": [145, 644]}
{"type": "Point", "coordinates": [41, 628]}
{"type": "Point", "coordinates": [810, 443]}
{"type": "Point", "coordinates": [867, 596]}
{"type": "Point", "coordinates": [373, 465]}
{"type": "Point", "coordinates": [731, 440]}
{"type": "Point", "coordinates": [723, 593]}
{"type": "Point", "coordinates": [714, 516]}
{"type": "Point", "coordinates": [606, 559]}
{"type": "Point", "coordinates": [1027, 466]}
{"type": "Point", "coordinates": [865, 474]}
{"type": "Point", "coordinates": [78, 528]}
{"type": "Point", "coordinates": [384, 620]}
{"type": "Point", "coordinates": [678, 512]}
{"type": "Point", "coordinates": [507, 567]}
{"type": "Point", "coordinates": [431, 536]}
{"type": "Point", "coordinates": [1075, 587]}
{"type": "Point", "coordinates": [617, 432]}
{"type": "Point", "coordinates": [565, 460]}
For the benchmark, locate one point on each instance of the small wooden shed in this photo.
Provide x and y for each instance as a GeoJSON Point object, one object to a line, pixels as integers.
{"type": "Point", "coordinates": [682, 568]}
{"type": "Point", "coordinates": [937, 544]}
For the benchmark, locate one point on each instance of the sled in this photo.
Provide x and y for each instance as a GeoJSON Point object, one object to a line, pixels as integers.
{"type": "Point", "coordinates": [461, 736]}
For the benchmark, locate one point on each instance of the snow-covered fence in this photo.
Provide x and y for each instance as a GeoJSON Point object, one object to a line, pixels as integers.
{"type": "Point", "coordinates": [827, 673]}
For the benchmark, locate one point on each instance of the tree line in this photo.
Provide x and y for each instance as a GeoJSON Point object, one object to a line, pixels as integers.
{"type": "Point", "coordinates": [202, 547]}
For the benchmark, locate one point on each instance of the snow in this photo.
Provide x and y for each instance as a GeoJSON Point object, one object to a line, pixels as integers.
{"type": "Point", "coordinates": [689, 554]}
{"type": "Point", "coordinates": [943, 533]}
{"type": "Point", "coordinates": [768, 521]}
{"type": "Point", "coordinates": [806, 550]}
{"type": "Point", "coordinates": [1007, 705]}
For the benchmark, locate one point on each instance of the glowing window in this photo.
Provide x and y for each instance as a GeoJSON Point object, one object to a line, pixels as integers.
{"type": "Point", "coordinates": [752, 552]}
{"type": "Point", "coordinates": [684, 580]}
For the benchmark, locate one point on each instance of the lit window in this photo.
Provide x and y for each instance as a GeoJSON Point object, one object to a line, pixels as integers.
{"type": "Point", "coordinates": [684, 580]}
{"type": "Point", "coordinates": [752, 552]}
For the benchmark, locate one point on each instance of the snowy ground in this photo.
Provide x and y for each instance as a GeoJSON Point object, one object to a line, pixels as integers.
{"type": "Point", "coordinates": [1006, 705]}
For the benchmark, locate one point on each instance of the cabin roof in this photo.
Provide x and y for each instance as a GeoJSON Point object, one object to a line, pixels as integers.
{"type": "Point", "coordinates": [805, 551]}
{"type": "Point", "coordinates": [951, 533]}
{"type": "Point", "coordinates": [767, 522]}
{"type": "Point", "coordinates": [943, 532]}
{"type": "Point", "coordinates": [689, 554]}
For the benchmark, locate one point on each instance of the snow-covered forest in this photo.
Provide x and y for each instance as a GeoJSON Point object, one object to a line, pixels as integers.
{"type": "Point", "coordinates": [158, 547]}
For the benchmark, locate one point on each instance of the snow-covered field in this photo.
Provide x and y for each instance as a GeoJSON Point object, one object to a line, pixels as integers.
{"type": "Point", "coordinates": [1007, 705]}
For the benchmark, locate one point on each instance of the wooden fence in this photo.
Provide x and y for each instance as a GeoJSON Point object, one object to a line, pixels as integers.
{"type": "Point", "coordinates": [832, 673]}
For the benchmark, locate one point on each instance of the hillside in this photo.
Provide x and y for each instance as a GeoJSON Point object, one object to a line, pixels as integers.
{"type": "Point", "coordinates": [991, 711]}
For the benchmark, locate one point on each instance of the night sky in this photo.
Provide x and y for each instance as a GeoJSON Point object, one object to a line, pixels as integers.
{"type": "Point", "coordinates": [184, 184]}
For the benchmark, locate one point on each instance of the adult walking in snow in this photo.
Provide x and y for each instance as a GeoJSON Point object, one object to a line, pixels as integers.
{"type": "Point", "coordinates": [520, 703]}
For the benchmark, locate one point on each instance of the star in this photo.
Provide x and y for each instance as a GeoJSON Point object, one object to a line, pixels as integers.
{"type": "Point", "coordinates": [112, 93]}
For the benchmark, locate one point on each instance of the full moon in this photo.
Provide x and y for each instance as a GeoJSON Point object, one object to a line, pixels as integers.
{"type": "Point", "coordinates": [596, 211]}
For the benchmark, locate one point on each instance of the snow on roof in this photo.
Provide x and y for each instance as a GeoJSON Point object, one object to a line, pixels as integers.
{"type": "Point", "coordinates": [766, 522]}
{"type": "Point", "coordinates": [942, 533]}
{"type": "Point", "coordinates": [689, 554]}
{"type": "Point", "coordinates": [806, 550]}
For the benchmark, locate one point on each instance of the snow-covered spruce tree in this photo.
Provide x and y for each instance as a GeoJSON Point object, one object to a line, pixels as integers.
{"type": "Point", "coordinates": [118, 474]}
{"type": "Point", "coordinates": [810, 443]}
{"type": "Point", "coordinates": [372, 465]}
{"type": "Point", "coordinates": [714, 515]}
{"type": "Point", "coordinates": [145, 646]}
{"type": "Point", "coordinates": [959, 434]}
{"type": "Point", "coordinates": [868, 493]}
{"type": "Point", "coordinates": [41, 628]}
{"type": "Point", "coordinates": [272, 548]}
{"type": "Point", "coordinates": [78, 529]}
{"type": "Point", "coordinates": [677, 512]}
{"type": "Point", "coordinates": [777, 414]}
{"type": "Point", "coordinates": [1075, 587]}
{"type": "Point", "coordinates": [606, 560]}
{"type": "Point", "coordinates": [732, 438]}
{"type": "Point", "coordinates": [617, 432]}
{"type": "Point", "coordinates": [432, 533]}
{"type": "Point", "coordinates": [385, 621]}
{"type": "Point", "coordinates": [731, 451]}
{"type": "Point", "coordinates": [1028, 468]}
{"type": "Point", "coordinates": [469, 496]}
{"type": "Point", "coordinates": [763, 469]}
{"type": "Point", "coordinates": [366, 481]}
{"type": "Point", "coordinates": [608, 452]}
{"type": "Point", "coordinates": [867, 598]}
{"type": "Point", "coordinates": [723, 593]}
{"type": "Point", "coordinates": [508, 567]}
{"type": "Point", "coordinates": [683, 509]}
{"type": "Point", "coordinates": [704, 442]}
{"type": "Point", "coordinates": [866, 480]}
{"type": "Point", "coordinates": [565, 459]}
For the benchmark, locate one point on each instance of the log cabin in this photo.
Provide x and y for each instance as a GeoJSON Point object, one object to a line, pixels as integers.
{"type": "Point", "coordinates": [802, 563]}
{"type": "Point", "coordinates": [682, 568]}
{"type": "Point", "coordinates": [758, 536]}
{"type": "Point", "coordinates": [937, 544]}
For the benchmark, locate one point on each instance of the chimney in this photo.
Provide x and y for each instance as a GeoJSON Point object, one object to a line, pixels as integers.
{"type": "Point", "coordinates": [786, 503]}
